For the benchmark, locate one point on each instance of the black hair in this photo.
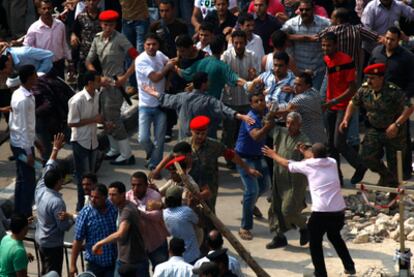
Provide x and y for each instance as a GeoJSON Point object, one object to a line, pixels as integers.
{"type": "Point", "coordinates": [52, 177]}
{"type": "Point", "coordinates": [342, 14]}
{"type": "Point", "coordinates": [255, 94]}
{"type": "Point", "coordinates": [25, 72]}
{"type": "Point", "coordinates": [319, 150]}
{"type": "Point", "coordinates": [330, 36]}
{"type": "Point", "coordinates": [89, 76]}
{"type": "Point", "coordinates": [239, 34]}
{"type": "Point", "coordinates": [199, 78]}
{"type": "Point", "coordinates": [152, 36]}
{"type": "Point", "coordinates": [168, 2]}
{"type": "Point", "coordinates": [18, 222]}
{"type": "Point", "coordinates": [91, 176]}
{"type": "Point", "coordinates": [119, 186]}
{"type": "Point", "coordinates": [140, 175]}
{"type": "Point", "coordinates": [217, 45]}
{"type": "Point", "coordinates": [245, 17]}
{"type": "Point", "coordinates": [282, 56]}
{"type": "Point", "coordinates": [308, 2]}
{"type": "Point", "coordinates": [177, 246]}
{"type": "Point", "coordinates": [394, 30]}
{"type": "Point", "coordinates": [207, 26]}
{"type": "Point", "coordinates": [306, 77]}
{"type": "Point", "coordinates": [279, 39]}
{"type": "Point", "coordinates": [182, 147]}
{"type": "Point", "coordinates": [101, 189]}
{"type": "Point", "coordinates": [215, 242]}
{"type": "Point", "coordinates": [171, 202]}
{"type": "Point", "coordinates": [184, 41]}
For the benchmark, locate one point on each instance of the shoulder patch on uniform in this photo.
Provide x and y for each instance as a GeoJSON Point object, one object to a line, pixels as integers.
{"type": "Point", "coordinates": [393, 86]}
{"type": "Point", "coordinates": [364, 85]}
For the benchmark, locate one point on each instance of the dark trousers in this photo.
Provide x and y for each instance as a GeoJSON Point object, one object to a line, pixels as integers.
{"type": "Point", "coordinates": [25, 184]}
{"type": "Point", "coordinates": [337, 140]}
{"type": "Point", "coordinates": [59, 68]}
{"type": "Point", "coordinates": [84, 161]}
{"type": "Point", "coordinates": [408, 159]}
{"type": "Point", "coordinates": [101, 271]}
{"type": "Point", "coordinates": [159, 255]}
{"type": "Point", "coordinates": [5, 97]}
{"type": "Point", "coordinates": [51, 259]}
{"type": "Point", "coordinates": [330, 223]}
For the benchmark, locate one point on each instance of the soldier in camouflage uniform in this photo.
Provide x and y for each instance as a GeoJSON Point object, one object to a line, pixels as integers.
{"type": "Point", "coordinates": [111, 48]}
{"type": "Point", "coordinates": [387, 112]}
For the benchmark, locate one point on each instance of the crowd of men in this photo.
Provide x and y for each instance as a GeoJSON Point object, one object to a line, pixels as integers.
{"type": "Point", "coordinates": [285, 81]}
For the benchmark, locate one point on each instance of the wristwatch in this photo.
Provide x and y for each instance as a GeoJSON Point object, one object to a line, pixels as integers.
{"type": "Point", "coordinates": [397, 124]}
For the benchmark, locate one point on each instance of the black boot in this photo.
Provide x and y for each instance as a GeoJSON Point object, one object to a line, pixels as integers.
{"type": "Point", "coordinates": [304, 237]}
{"type": "Point", "coordinates": [277, 242]}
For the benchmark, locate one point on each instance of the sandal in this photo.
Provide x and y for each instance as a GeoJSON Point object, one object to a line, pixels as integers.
{"type": "Point", "coordinates": [245, 234]}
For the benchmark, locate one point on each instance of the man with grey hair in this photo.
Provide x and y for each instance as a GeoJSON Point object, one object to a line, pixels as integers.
{"type": "Point", "coordinates": [288, 189]}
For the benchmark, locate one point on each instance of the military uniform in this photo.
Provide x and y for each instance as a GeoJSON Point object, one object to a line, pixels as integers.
{"type": "Point", "coordinates": [383, 108]}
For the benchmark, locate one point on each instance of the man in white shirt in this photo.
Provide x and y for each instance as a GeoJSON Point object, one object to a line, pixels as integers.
{"type": "Point", "coordinates": [82, 119]}
{"type": "Point", "coordinates": [22, 139]}
{"type": "Point", "coordinates": [328, 204]}
{"type": "Point", "coordinates": [215, 242]}
{"type": "Point", "coordinates": [50, 34]}
{"type": "Point", "coordinates": [205, 36]}
{"type": "Point", "coordinates": [151, 67]}
{"type": "Point", "coordinates": [175, 266]}
{"type": "Point", "coordinates": [254, 42]}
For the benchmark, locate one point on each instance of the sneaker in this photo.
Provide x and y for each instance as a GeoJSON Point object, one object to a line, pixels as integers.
{"type": "Point", "coordinates": [277, 242]}
{"type": "Point", "coordinates": [304, 237]}
{"type": "Point", "coordinates": [350, 271]}
{"type": "Point", "coordinates": [167, 138]}
{"type": "Point", "coordinates": [257, 213]}
{"type": "Point", "coordinates": [358, 175]}
{"type": "Point", "coordinates": [111, 157]}
{"type": "Point", "coordinates": [129, 161]}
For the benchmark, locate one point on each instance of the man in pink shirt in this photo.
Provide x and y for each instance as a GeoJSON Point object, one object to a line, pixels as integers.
{"type": "Point", "coordinates": [50, 34]}
{"type": "Point", "coordinates": [152, 227]}
{"type": "Point", "coordinates": [328, 204]}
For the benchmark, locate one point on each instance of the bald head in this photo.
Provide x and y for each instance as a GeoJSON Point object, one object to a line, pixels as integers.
{"type": "Point", "coordinates": [214, 240]}
{"type": "Point", "coordinates": [319, 150]}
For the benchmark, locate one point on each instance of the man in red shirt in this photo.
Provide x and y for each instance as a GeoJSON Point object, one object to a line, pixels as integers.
{"type": "Point", "coordinates": [341, 87]}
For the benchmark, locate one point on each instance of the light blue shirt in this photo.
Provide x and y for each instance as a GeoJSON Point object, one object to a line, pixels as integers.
{"type": "Point", "coordinates": [41, 59]}
{"type": "Point", "coordinates": [180, 223]}
{"type": "Point", "coordinates": [50, 230]}
{"type": "Point", "coordinates": [274, 87]}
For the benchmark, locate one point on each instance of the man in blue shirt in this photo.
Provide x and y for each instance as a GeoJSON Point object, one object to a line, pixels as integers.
{"type": "Point", "coordinates": [248, 146]}
{"type": "Point", "coordinates": [15, 57]}
{"type": "Point", "coordinates": [95, 222]}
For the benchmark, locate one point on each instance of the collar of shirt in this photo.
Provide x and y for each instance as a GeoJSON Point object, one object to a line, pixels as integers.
{"type": "Point", "coordinates": [26, 92]}
{"type": "Point", "coordinates": [397, 50]}
{"type": "Point", "coordinates": [44, 25]}
{"type": "Point", "coordinates": [379, 4]}
{"type": "Point", "coordinates": [114, 33]}
{"type": "Point", "coordinates": [176, 259]}
{"type": "Point", "coordinates": [54, 192]}
{"type": "Point", "coordinates": [87, 95]}
{"type": "Point", "coordinates": [234, 54]}
{"type": "Point", "coordinates": [301, 22]}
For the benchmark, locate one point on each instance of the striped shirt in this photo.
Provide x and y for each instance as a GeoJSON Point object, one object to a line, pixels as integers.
{"type": "Point", "coordinates": [308, 105]}
{"type": "Point", "coordinates": [274, 87]}
{"type": "Point", "coordinates": [236, 96]}
{"type": "Point", "coordinates": [308, 55]}
{"type": "Point", "coordinates": [350, 39]}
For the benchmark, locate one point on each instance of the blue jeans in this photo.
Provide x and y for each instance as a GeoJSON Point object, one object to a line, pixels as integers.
{"type": "Point", "coordinates": [141, 269]}
{"type": "Point", "coordinates": [253, 188]}
{"type": "Point", "coordinates": [159, 255]}
{"type": "Point", "coordinates": [25, 184]}
{"type": "Point", "coordinates": [100, 271]}
{"type": "Point", "coordinates": [135, 31]}
{"type": "Point", "coordinates": [84, 161]}
{"type": "Point", "coordinates": [146, 117]}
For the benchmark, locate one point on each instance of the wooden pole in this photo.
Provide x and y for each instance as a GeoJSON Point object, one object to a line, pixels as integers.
{"type": "Point", "coordinates": [223, 229]}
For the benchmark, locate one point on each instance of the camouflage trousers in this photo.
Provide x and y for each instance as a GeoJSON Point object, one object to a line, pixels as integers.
{"type": "Point", "coordinates": [374, 145]}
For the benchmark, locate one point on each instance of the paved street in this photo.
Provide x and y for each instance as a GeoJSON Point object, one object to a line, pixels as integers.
{"type": "Point", "coordinates": [290, 261]}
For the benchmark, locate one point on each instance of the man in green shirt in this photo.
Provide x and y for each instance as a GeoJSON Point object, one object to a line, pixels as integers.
{"type": "Point", "coordinates": [219, 73]}
{"type": "Point", "coordinates": [13, 256]}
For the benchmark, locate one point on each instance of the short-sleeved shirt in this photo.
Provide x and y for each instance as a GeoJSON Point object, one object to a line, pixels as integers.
{"type": "Point", "coordinates": [219, 74]}
{"type": "Point", "coordinates": [110, 53]}
{"type": "Point", "coordinates": [92, 226]}
{"type": "Point", "coordinates": [324, 185]}
{"type": "Point", "coordinates": [131, 248]}
{"type": "Point", "coordinates": [180, 223]}
{"type": "Point", "coordinates": [341, 71]}
{"type": "Point", "coordinates": [13, 256]}
{"type": "Point", "coordinates": [246, 146]}
{"type": "Point", "coordinates": [382, 108]}
{"type": "Point", "coordinates": [144, 66]}
{"type": "Point", "coordinates": [83, 106]}
{"type": "Point", "coordinates": [208, 5]}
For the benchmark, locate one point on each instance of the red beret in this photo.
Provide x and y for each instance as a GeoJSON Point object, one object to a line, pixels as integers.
{"type": "Point", "coordinates": [176, 159]}
{"type": "Point", "coordinates": [108, 15]}
{"type": "Point", "coordinates": [199, 123]}
{"type": "Point", "coordinates": [375, 69]}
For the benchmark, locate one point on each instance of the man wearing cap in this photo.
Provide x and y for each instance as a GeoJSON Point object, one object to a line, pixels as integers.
{"type": "Point", "coordinates": [206, 152]}
{"type": "Point", "coordinates": [387, 112]}
{"type": "Point", "coordinates": [111, 48]}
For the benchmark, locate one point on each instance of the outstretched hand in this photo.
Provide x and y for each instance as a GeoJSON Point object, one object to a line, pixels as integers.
{"type": "Point", "coordinates": [268, 152]}
{"type": "Point", "coordinates": [58, 141]}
